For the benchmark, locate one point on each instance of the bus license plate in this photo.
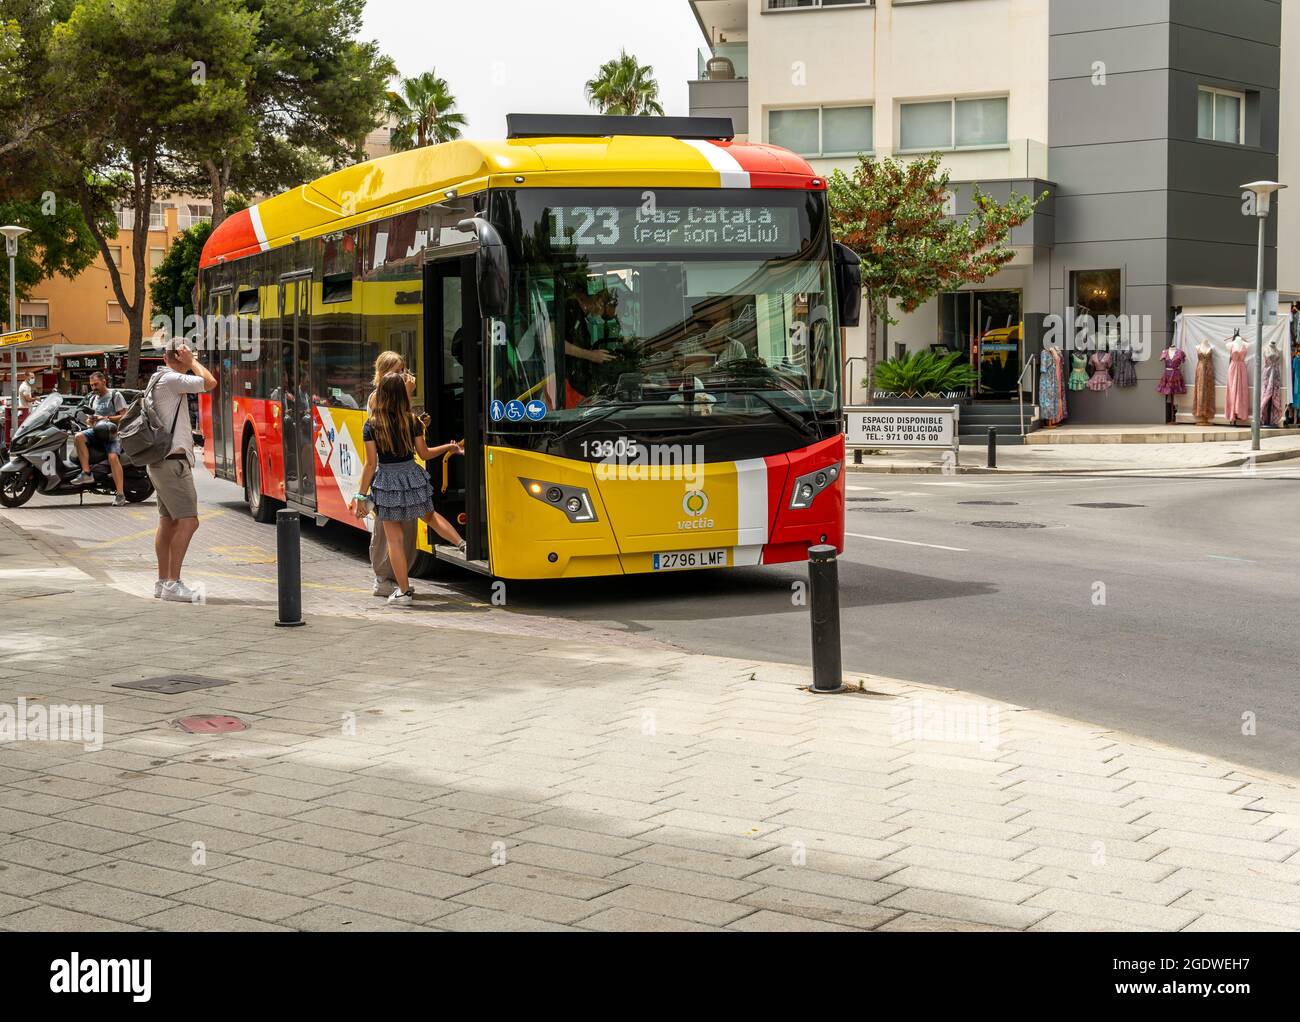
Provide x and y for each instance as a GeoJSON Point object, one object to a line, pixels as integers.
{"type": "Point", "coordinates": [681, 560]}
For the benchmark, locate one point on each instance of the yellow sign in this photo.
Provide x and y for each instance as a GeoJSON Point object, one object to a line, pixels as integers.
{"type": "Point", "coordinates": [20, 337]}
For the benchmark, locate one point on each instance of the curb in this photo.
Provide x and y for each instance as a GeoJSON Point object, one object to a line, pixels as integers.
{"type": "Point", "coordinates": [929, 468]}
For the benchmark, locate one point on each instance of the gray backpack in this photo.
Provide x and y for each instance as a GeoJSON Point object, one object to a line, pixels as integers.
{"type": "Point", "coordinates": [140, 431]}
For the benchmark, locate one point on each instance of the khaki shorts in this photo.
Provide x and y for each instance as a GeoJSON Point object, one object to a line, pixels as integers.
{"type": "Point", "coordinates": [173, 483]}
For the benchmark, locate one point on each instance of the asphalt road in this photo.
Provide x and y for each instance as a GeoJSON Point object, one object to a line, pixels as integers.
{"type": "Point", "coordinates": [1176, 618]}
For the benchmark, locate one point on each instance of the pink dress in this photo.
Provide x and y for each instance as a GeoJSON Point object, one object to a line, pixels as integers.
{"type": "Point", "coordinates": [1100, 378]}
{"type": "Point", "coordinates": [1238, 407]}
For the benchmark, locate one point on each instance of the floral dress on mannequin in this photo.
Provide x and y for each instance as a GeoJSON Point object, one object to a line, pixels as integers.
{"type": "Point", "coordinates": [1238, 408]}
{"type": "Point", "coordinates": [1100, 378]}
{"type": "Point", "coordinates": [1051, 391]}
{"type": "Point", "coordinates": [1172, 381]}
{"type": "Point", "coordinates": [1270, 411]}
{"type": "Point", "coordinates": [1078, 372]}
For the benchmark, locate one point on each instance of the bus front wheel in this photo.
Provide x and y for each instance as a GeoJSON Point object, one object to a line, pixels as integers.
{"type": "Point", "coordinates": [260, 505]}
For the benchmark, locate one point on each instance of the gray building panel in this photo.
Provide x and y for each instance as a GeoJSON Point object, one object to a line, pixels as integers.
{"type": "Point", "coordinates": [1071, 16]}
{"type": "Point", "coordinates": [1128, 108]}
{"type": "Point", "coordinates": [1250, 63]}
{"type": "Point", "coordinates": [1121, 50]}
{"type": "Point", "coordinates": [1128, 216]}
{"type": "Point", "coordinates": [1122, 167]}
{"type": "Point", "coordinates": [1232, 19]}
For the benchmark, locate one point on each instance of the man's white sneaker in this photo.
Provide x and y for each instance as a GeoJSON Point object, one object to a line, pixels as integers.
{"type": "Point", "coordinates": [384, 587]}
{"type": "Point", "coordinates": [82, 479]}
{"type": "Point", "coordinates": [402, 599]}
{"type": "Point", "coordinates": [178, 592]}
{"type": "Point", "coordinates": [119, 500]}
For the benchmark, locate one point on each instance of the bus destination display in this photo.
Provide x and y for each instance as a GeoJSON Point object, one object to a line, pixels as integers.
{"type": "Point", "coordinates": [763, 228]}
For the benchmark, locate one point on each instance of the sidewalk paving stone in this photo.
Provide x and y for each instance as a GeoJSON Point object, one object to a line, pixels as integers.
{"type": "Point", "coordinates": [598, 787]}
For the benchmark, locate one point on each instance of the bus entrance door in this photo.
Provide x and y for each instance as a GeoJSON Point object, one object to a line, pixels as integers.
{"type": "Point", "coordinates": [454, 384]}
{"type": "Point", "coordinates": [296, 391]}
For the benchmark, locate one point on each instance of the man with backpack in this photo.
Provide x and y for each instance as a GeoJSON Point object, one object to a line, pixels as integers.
{"type": "Point", "coordinates": [170, 464]}
{"type": "Point", "coordinates": [107, 406]}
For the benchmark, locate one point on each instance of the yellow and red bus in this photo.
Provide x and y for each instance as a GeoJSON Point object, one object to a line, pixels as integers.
{"type": "Point", "coordinates": [633, 323]}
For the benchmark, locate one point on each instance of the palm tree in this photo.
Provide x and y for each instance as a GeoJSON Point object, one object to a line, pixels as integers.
{"type": "Point", "coordinates": [425, 112]}
{"type": "Point", "coordinates": [625, 87]}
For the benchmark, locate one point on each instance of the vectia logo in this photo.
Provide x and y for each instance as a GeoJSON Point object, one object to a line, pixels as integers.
{"type": "Point", "coordinates": [695, 503]}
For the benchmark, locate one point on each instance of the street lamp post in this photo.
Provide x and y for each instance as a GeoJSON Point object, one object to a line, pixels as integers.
{"type": "Point", "coordinates": [1263, 201]}
{"type": "Point", "coordinates": [11, 234]}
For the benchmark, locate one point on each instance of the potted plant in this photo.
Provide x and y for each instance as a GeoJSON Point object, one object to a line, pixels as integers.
{"type": "Point", "coordinates": [924, 378]}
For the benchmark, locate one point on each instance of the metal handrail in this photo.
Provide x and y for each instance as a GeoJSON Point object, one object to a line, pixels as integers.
{"type": "Point", "coordinates": [1020, 387]}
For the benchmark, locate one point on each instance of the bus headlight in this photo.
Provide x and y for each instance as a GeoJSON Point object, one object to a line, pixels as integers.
{"type": "Point", "coordinates": [573, 501]}
{"type": "Point", "coordinates": [807, 487]}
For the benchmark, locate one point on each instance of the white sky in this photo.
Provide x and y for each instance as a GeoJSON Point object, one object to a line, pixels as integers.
{"type": "Point", "coordinates": [533, 56]}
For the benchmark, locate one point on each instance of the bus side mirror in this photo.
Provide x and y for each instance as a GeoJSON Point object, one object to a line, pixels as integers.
{"type": "Point", "coordinates": [492, 266]}
{"type": "Point", "coordinates": [848, 284]}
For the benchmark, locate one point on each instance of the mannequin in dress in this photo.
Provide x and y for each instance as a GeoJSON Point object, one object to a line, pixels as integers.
{"type": "Point", "coordinates": [1203, 399]}
{"type": "Point", "coordinates": [1238, 407]}
{"type": "Point", "coordinates": [1172, 382]}
{"type": "Point", "coordinates": [1270, 412]}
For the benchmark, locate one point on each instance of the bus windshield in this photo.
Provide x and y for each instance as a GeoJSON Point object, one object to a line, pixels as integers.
{"type": "Point", "coordinates": [655, 306]}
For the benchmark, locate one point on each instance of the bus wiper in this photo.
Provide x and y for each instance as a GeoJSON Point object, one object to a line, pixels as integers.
{"type": "Point", "coordinates": [803, 425]}
{"type": "Point", "coordinates": [606, 412]}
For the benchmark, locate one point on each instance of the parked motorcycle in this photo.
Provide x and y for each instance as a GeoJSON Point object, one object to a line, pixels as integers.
{"type": "Point", "coordinates": [42, 458]}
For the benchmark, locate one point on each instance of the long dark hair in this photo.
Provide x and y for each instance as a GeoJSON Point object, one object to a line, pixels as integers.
{"type": "Point", "coordinates": [391, 417]}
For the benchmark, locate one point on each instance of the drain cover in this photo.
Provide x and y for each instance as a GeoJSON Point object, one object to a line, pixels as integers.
{"type": "Point", "coordinates": [989, 503]}
{"type": "Point", "coordinates": [210, 724]}
{"type": "Point", "coordinates": [1107, 506]}
{"type": "Point", "coordinates": [870, 500]}
{"type": "Point", "coordinates": [886, 510]}
{"type": "Point", "coordinates": [1008, 525]}
{"type": "Point", "coordinates": [173, 684]}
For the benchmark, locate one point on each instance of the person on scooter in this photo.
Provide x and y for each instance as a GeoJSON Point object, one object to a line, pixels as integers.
{"type": "Point", "coordinates": [106, 409]}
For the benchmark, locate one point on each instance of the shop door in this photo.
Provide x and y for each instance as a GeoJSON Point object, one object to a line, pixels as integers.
{"type": "Point", "coordinates": [296, 391]}
{"type": "Point", "coordinates": [998, 339]}
{"type": "Point", "coordinates": [454, 385]}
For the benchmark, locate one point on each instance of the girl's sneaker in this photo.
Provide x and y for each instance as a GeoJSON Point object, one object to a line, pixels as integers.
{"type": "Point", "coordinates": [402, 599]}
{"type": "Point", "coordinates": [384, 587]}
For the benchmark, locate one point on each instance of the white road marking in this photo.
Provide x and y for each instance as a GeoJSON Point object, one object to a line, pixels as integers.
{"type": "Point", "coordinates": [908, 542]}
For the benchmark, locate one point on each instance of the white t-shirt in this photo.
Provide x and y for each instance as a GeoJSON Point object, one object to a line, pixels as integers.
{"type": "Point", "coordinates": [24, 395]}
{"type": "Point", "coordinates": [169, 391]}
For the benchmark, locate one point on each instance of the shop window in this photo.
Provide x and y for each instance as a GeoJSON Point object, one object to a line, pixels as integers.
{"type": "Point", "coordinates": [1220, 115]}
{"type": "Point", "coordinates": [1096, 292]}
{"type": "Point", "coordinates": [823, 131]}
{"type": "Point", "coordinates": [953, 124]}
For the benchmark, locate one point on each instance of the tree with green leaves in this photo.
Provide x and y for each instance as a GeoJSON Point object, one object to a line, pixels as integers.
{"type": "Point", "coordinates": [32, 192]}
{"type": "Point", "coordinates": [171, 287]}
{"type": "Point", "coordinates": [312, 92]}
{"type": "Point", "coordinates": [425, 112]}
{"type": "Point", "coordinates": [626, 87]}
{"type": "Point", "coordinates": [144, 86]}
{"type": "Point", "coordinates": [892, 215]}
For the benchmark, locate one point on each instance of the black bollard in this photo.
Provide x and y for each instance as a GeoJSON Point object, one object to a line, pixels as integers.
{"type": "Point", "coordinates": [288, 554]}
{"type": "Point", "coordinates": [993, 447]}
{"type": "Point", "coordinates": [824, 596]}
